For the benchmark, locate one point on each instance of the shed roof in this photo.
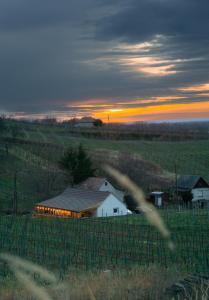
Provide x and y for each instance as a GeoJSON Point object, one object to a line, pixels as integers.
{"type": "Point", "coordinates": [157, 193]}
{"type": "Point", "coordinates": [76, 200]}
{"type": "Point", "coordinates": [188, 182]}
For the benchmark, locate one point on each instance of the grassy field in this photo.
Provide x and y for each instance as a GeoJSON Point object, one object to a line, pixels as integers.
{"type": "Point", "coordinates": [110, 243]}
{"type": "Point", "coordinates": [40, 159]}
{"type": "Point", "coordinates": [135, 283]}
{"type": "Point", "coordinates": [28, 173]}
{"type": "Point", "coordinates": [191, 157]}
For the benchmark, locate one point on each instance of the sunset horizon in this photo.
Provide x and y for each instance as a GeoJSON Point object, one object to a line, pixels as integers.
{"type": "Point", "coordinates": [160, 109]}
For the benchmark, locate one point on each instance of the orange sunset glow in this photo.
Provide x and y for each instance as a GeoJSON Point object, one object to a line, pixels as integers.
{"type": "Point", "coordinates": [161, 108]}
{"type": "Point", "coordinates": [156, 112]}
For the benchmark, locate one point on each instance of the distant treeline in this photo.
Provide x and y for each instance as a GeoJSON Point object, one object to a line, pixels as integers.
{"type": "Point", "coordinates": [114, 131]}
{"type": "Point", "coordinates": [146, 131]}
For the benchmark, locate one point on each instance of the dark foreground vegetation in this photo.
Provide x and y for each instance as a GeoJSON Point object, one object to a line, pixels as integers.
{"type": "Point", "coordinates": [114, 258]}
{"type": "Point", "coordinates": [133, 284]}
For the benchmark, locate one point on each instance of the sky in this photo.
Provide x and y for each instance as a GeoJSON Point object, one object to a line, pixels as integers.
{"type": "Point", "coordinates": [129, 60]}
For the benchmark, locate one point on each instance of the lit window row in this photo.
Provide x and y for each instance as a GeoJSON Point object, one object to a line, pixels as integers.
{"type": "Point", "coordinates": [58, 212]}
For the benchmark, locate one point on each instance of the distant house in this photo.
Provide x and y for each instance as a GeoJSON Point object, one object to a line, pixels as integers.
{"type": "Point", "coordinates": [79, 203]}
{"type": "Point", "coordinates": [197, 187]}
{"type": "Point", "coordinates": [86, 122]}
{"type": "Point", "coordinates": [102, 185]}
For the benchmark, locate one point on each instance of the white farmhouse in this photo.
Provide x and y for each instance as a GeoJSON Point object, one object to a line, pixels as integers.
{"type": "Point", "coordinates": [198, 187]}
{"type": "Point", "coordinates": [79, 203]}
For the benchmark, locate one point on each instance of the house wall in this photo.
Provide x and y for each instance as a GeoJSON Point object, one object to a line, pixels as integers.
{"type": "Point", "coordinates": [106, 209]}
{"type": "Point", "coordinates": [158, 200]}
{"type": "Point", "coordinates": [200, 194]}
{"type": "Point", "coordinates": [107, 187]}
{"type": "Point", "coordinates": [84, 125]}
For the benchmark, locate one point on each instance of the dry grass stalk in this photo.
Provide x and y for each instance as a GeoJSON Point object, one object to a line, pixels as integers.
{"type": "Point", "coordinates": [24, 271]}
{"type": "Point", "coordinates": [150, 211]}
{"type": "Point", "coordinates": [91, 295]}
{"type": "Point", "coordinates": [39, 292]}
{"type": "Point", "coordinates": [29, 266]}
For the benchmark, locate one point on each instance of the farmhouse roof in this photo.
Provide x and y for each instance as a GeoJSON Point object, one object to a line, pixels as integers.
{"type": "Point", "coordinates": [76, 200]}
{"type": "Point", "coordinates": [92, 183]}
{"type": "Point", "coordinates": [188, 182]}
{"type": "Point", "coordinates": [86, 120]}
{"type": "Point", "coordinates": [95, 183]}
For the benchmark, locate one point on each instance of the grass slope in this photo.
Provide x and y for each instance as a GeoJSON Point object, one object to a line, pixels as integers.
{"type": "Point", "coordinates": [191, 157]}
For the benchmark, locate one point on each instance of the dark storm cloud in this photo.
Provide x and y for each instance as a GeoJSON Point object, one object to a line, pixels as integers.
{"type": "Point", "coordinates": [54, 54]}
{"type": "Point", "coordinates": [185, 23]}
{"type": "Point", "coordinates": [26, 14]}
{"type": "Point", "coordinates": [43, 48]}
{"type": "Point", "coordinates": [141, 20]}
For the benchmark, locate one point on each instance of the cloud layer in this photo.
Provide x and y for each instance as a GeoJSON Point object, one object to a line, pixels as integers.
{"type": "Point", "coordinates": [93, 57]}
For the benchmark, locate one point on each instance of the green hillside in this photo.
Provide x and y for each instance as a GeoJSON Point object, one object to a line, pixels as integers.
{"type": "Point", "coordinates": [191, 157]}
{"type": "Point", "coordinates": [35, 152]}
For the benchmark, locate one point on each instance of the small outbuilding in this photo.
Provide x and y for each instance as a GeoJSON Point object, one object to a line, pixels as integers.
{"type": "Point", "coordinates": [79, 203]}
{"type": "Point", "coordinates": [157, 198]}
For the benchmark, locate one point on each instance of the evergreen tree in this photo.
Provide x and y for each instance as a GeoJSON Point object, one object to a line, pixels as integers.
{"type": "Point", "coordinates": [77, 164]}
{"type": "Point", "coordinates": [98, 123]}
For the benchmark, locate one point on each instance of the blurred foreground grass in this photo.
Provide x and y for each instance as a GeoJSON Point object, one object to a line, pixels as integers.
{"type": "Point", "coordinates": [135, 283]}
